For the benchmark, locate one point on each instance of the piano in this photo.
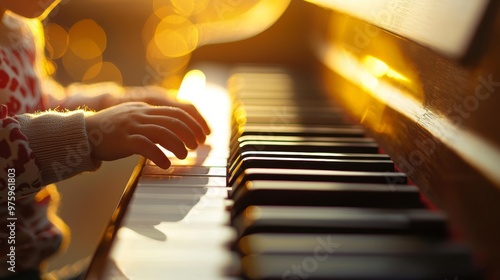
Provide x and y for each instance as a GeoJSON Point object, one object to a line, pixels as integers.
{"type": "Point", "coordinates": [366, 150]}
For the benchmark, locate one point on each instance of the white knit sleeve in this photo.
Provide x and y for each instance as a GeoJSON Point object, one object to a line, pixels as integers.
{"type": "Point", "coordinates": [59, 142]}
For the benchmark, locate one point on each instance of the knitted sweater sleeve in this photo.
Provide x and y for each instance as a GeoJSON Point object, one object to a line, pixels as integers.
{"type": "Point", "coordinates": [43, 148]}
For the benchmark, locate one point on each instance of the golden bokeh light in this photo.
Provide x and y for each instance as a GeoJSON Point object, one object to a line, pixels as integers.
{"type": "Point", "coordinates": [188, 8]}
{"type": "Point", "coordinates": [176, 36]}
{"type": "Point", "coordinates": [103, 72]}
{"type": "Point", "coordinates": [368, 81]}
{"type": "Point", "coordinates": [87, 39]}
{"type": "Point", "coordinates": [85, 48]}
{"type": "Point", "coordinates": [75, 66]}
{"type": "Point", "coordinates": [227, 21]}
{"type": "Point", "coordinates": [376, 66]}
{"type": "Point", "coordinates": [193, 85]}
{"type": "Point", "coordinates": [149, 28]}
{"type": "Point", "coordinates": [80, 51]}
{"type": "Point", "coordinates": [163, 11]}
{"type": "Point", "coordinates": [159, 5]}
{"type": "Point", "coordinates": [161, 65]}
{"type": "Point", "coordinates": [176, 28]}
{"type": "Point", "coordinates": [380, 69]}
{"type": "Point", "coordinates": [56, 40]}
{"type": "Point", "coordinates": [228, 10]}
{"type": "Point", "coordinates": [172, 82]}
{"type": "Point", "coordinates": [171, 32]}
{"type": "Point", "coordinates": [184, 8]}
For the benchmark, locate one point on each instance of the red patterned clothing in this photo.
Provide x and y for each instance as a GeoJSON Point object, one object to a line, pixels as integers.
{"type": "Point", "coordinates": [37, 148]}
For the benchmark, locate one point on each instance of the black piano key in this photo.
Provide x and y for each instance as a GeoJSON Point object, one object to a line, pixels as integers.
{"type": "Point", "coordinates": [292, 138]}
{"type": "Point", "coordinates": [348, 267]}
{"type": "Point", "coordinates": [338, 147]}
{"type": "Point", "coordinates": [346, 244]}
{"type": "Point", "coordinates": [270, 79]}
{"type": "Point", "coordinates": [270, 114]}
{"type": "Point", "coordinates": [239, 123]}
{"type": "Point", "coordinates": [283, 115]}
{"type": "Point", "coordinates": [293, 193]}
{"type": "Point", "coordinates": [308, 163]}
{"type": "Point", "coordinates": [290, 119]}
{"type": "Point", "coordinates": [305, 155]}
{"type": "Point", "coordinates": [266, 88]}
{"type": "Point", "coordinates": [314, 155]}
{"type": "Point", "coordinates": [277, 102]}
{"type": "Point", "coordinates": [362, 148]}
{"type": "Point", "coordinates": [270, 91]}
{"type": "Point", "coordinates": [298, 130]}
{"type": "Point", "coordinates": [251, 174]}
{"type": "Point", "coordinates": [279, 93]}
{"type": "Point", "coordinates": [298, 139]}
{"type": "Point", "coordinates": [302, 219]}
{"type": "Point", "coordinates": [287, 110]}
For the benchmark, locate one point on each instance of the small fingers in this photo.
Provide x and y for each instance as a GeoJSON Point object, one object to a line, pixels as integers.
{"type": "Point", "coordinates": [166, 138]}
{"type": "Point", "coordinates": [184, 117]}
{"type": "Point", "coordinates": [176, 126]}
{"type": "Point", "coordinates": [191, 110]}
{"type": "Point", "coordinates": [141, 145]}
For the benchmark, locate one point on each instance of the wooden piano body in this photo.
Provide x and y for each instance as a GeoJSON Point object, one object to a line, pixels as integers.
{"type": "Point", "coordinates": [432, 105]}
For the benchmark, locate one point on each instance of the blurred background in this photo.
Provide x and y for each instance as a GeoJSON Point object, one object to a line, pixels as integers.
{"type": "Point", "coordinates": [140, 42]}
{"type": "Point", "coordinates": [154, 42]}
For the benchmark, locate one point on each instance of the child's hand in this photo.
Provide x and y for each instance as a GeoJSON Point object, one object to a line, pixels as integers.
{"type": "Point", "coordinates": [157, 96]}
{"type": "Point", "coordinates": [135, 128]}
{"type": "Point", "coordinates": [104, 95]}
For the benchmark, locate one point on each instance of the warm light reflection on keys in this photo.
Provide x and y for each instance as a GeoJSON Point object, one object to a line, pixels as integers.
{"type": "Point", "coordinates": [176, 225]}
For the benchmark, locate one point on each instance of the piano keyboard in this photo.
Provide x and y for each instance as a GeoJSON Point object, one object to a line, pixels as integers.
{"type": "Point", "coordinates": [290, 190]}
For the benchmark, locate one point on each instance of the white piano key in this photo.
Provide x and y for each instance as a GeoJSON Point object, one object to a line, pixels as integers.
{"type": "Point", "coordinates": [192, 181]}
{"type": "Point", "coordinates": [210, 148]}
{"type": "Point", "coordinates": [180, 192]}
{"type": "Point", "coordinates": [211, 161]}
{"type": "Point", "coordinates": [141, 257]}
{"type": "Point", "coordinates": [185, 170]}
